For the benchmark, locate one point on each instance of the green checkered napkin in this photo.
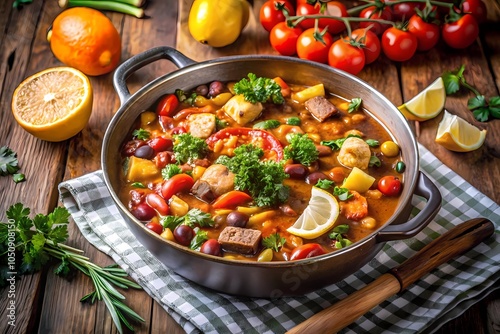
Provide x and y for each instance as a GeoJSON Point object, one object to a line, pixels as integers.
{"type": "Point", "coordinates": [439, 296]}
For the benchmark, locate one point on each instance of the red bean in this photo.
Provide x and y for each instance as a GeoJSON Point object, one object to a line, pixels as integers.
{"type": "Point", "coordinates": [296, 171]}
{"type": "Point", "coordinates": [183, 234]}
{"type": "Point", "coordinates": [158, 203]}
{"type": "Point", "coordinates": [313, 178]}
{"type": "Point", "coordinates": [143, 212]}
{"type": "Point", "coordinates": [324, 150]}
{"type": "Point", "coordinates": [212, 247]}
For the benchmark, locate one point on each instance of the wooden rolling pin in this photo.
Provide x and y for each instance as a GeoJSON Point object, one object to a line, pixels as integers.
{"type": "Point", "coordinates": [453, 243]}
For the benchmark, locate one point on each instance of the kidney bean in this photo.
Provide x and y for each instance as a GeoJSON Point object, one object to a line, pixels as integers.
{"type": "Point", "coordinates": [183, 234]}
{"type": "Point", "coordinates": [296, 171]}
{"type": "Point", "coordinates": [202, 90]}
{"type": "Point", "coordinates": [237, 219]}
{"type": "Point", "coordinates": [324, 150]}
{"type": "Point", "coordinates": [144, 152]}
{"type": "Point", "coordinates": [212, 247]}
{"type": "Point", "coordinates": [313, 178]}
{"type": "Point", "coordinates": [163, 158]}
{"type": "Point", "coordinates": [136, 196]}
{"type": "Point", "coordinates": [216, 87]}
{"type": "Point", "coordinates": [143, 212]}
{"type": "Point", "coordinates": [131, 146]}
{"type": "Point", "coordinates": [158, 203]}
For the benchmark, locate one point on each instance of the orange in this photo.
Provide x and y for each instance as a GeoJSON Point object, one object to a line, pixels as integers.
{"type": "Point", "coordinates": [84, 38]}
{"type": "Point", "coordinates": [54, 104]}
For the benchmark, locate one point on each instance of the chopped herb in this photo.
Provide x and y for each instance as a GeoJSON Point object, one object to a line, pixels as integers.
{"type": "Point", "coordinates": [196, 216]}
{"type": "Point", "coordinates": [336, 144]}
{"type": "Point", "coordinates": [220, 124]}
{"type": "Point", "coordinates": [141, 134]}
{"type": "Point", "coordinates": [183, 97]}
{"type": "Point", "coordinates": [187, 148]}
{"type": "Point", "coordinates": [301, 149]}
{"type": "Point", "coordinates": [199, 238]}
{"type": "Point", "coordinates": [259, 89]}
{"type": "Point", "coordinates": [170, 170]}
{"type": "Point", "coordinates": [324, 184]}
{"type": "Point", "coordinates": [171, 222]}
{"type": "Point", "coordinates": [374, 161]}
{"type": "Point", "coordinates": [293, 121]}
{"type": "Point", "coordinates": [274, 241]}
{"type": "Point", "coordinates": [342, 193]}
{"type": "Point", "coordinates": [19, 177]}
{"type": "Point", "coordinates": [8, 161]}
{"type": "Point", "coordinates": [338, 234]}
{"type": "Point", "coordinates": [354, 104]}
{"type": "Point", "coordinates": [372, 142]}
{"type": "Point", "coordinates": [267, 124]}
{"type": "Point", "coordinates": [262, 179]}
{"type": "Point", "coordinates": [138, 185]}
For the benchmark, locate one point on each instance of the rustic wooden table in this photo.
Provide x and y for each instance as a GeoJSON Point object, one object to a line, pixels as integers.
{"type": "Point", "coordinates": [49, 304]}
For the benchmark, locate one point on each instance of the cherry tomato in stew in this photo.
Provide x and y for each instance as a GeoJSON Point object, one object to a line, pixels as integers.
{"type": "Point", "coordinates": [398, 45]}
{"type": "Point", "coordinates": [284, 38]}
{"type": "Point", "coordinates": [167, 105]}
{"type": "Point", "coordinates": [183, 234]}
{"type": "Point", "coordinates": [155, 227]}
{"type": "Point", "coordinates": [310, 46]}
{"type": "Point", "coordinates": [389, 185]}
{"type": "Point", "coordinates": [344, 56]}
{"type": "Point", "coordinates": [371, 43]}
{"type": "Point", "coordinates": [306, 251]}
{"type": "Point", "coordinates": [212, 247]}
{"type": "Point", "coordinates": [271, 13]}
{"type": "Point", "coordinates": [461, 33]}
{"type": "Point", "coordinates": [427, 33]}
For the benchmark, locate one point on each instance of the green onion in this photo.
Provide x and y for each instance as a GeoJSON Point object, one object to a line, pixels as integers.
{"type": "Point", "coordinates": [130, 7]}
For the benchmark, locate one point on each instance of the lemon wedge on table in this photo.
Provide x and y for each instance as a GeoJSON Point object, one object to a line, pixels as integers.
{"type": "Point", "coordinates": [456, 134]}
{"type": "Point", "coordinates": [318, 217]}
{"type": "Point", "coordinates": [427, 104]}
{"type": "Point", "coordinates": [54, 104]}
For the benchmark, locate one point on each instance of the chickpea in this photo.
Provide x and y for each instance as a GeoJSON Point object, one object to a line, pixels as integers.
{"type": "Point", "coordinates": [389, 148]}
{"type": "Point", "coordinates": [358, 118]}
{"type": "Point", "coordinates": [369, 223]}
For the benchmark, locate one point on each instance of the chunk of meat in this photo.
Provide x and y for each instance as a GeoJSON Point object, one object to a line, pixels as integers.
{"type": "Point", "coordinates": [320, 108]}
{"type": "Point", "coordinates": [201, 125]}
{"type": "Point", "coordinates": [355, 152]}
{"type": "Point", "coordinates": [354, 208]}
{"type": "Point", "coordinates": [240, 240]}
{"type": "Point", "coordinates": [215, 181]}
{"type": "Point", "coordinates": [241, 110]}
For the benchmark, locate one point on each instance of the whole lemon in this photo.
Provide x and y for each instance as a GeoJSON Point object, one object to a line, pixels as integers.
{"type": "Point", "coordinates": [218, 23]}
{"type": "Point", "coordinates": [84, 38]}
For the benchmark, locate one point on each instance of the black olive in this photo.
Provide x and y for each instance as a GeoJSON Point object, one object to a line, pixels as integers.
{"type": "Point", "coordinates": [144, 152]}
{"type": "Point", "coordinates": [237, 219]}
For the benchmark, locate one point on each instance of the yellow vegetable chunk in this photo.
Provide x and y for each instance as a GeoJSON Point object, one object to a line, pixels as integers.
{"type": "Point", "coordinates": [358, 181]}
{"type": "Point", "coordinates": [178, 207]}
{"type": "Point", "coordinates": [309, 93]}
{"type": "Point", "coordinates": [140, 170]}
{"type": "Point", "coordinates": [147, 118]}
{"type": "Point", "coordinates": [241, 110]}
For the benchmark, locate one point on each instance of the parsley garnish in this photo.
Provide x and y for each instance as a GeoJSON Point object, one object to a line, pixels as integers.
{"type": "Point", "coordinates": [9, 164]}
{"type": "Point", "coordinates": [481, 108]}
{"type": "Point", "coordinates": [301, 149]}
{"type": "Point", "coordinates": [374, 161]}
{"type": "Point", "coordinates": [342, 193]}
{"type": "Point", "coordinates": [338, 234]}
{"type": "Point", "coordinates": [354, 104]}
{"type": "Point", "coordinates": [324, 184]}
{"type": "Point", "coordinates": [187, 148]}
{"type": "Point", "coordinates": [274, 241]}
{"type": "Point", "coordinates": [199, 238]}
{"type": "Point", "coordinates": [138, 185]}
{"type": "Point", "coordinates": [259, 89]}
{"type": "Point", "coordinates": [262, 179]}
{"type": "Point", "coordinates": [267, 124]}
{"type": "Point", "coordinates": [336, 144]}
{"type": "Point", "coordinates": [141, 134]}
{"type": "Point", "coordinates": [40, 239]}
{"type": "Point", "coordinates": [181, 95]}
{"type": "Point", "coordinates": [170, 170]}
{"type": "Point", "coordinates": [194, 216]}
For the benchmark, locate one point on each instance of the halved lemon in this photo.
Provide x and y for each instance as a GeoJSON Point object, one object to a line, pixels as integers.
{"type": "Point", "coordinates": [318, 217]}
{"type": "Point", "coordinates": [456, 134]}
{"type": "Point", "coordinates": [427, 104]}
{"type": "Point", "coordinates": [54, 104]}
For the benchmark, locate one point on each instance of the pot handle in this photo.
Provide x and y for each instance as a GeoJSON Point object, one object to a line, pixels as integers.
{"type": "Point", "coordinates": [429, 191]}
{"type": "Point", "coordinates": [142, 59]}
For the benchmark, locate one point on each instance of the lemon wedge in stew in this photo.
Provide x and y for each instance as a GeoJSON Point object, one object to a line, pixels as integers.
{"type": "Point", "coordinates": [318, 217]}
{"type": "Point", "coordinates": [54, 104]}
{"type": "Point", "coordinates": [456, 134]}
{"type": "Point", "coordinates": [427, 104]}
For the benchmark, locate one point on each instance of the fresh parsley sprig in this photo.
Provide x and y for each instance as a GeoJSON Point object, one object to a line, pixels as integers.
{"type": "Point", "coordinates": [482, 108]}
{"type": "Point", "coordinates": [274, 241]}
{"type": "Point", "coordinates": [39, 240]}
{"type": "Point", "coordinates": [9, 164]}
{"type": "Point", "coordinates": [259, 89]}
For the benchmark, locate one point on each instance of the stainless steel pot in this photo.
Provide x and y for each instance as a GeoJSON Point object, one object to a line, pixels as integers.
{"type": "Point", "coordinates": [259, 279]}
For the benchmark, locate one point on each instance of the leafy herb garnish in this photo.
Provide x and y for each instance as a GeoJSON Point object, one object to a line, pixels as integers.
{"type": "Point", "coordinates": [141, 134]}
{"type": "Point", "coordinates": [267, 124]}
{"type": "Point", "coordinates": [342, 193]}
{"type": "Point", "coordinates": [138, 185]}
{"type": "Point", "coordinates": [170, 170]}
{"type": "Point", "coordinates": [336, 144]}
{"type": "Point", "coordinates": [199, 238]}
{"type": "Point", "coordinates": [188, 147]}
{"type": "Point", "coordinates": [324, 184]}
{"type": "Point", "coordinates": [301, 149]}
{"type": "Point", "coordinates": [259, 89]}
{"type": "Point", "coordinates": [183, 97]}
{"type": "Point", "coordinates": [374, 161]}
{"type": "Point", "coordinates": [8, 161]}
{"type": "Point", "coordinates": [354, 104]}
{"type": "Point", "coordinates": [338, 234]}
{"type": "Point", "coordinates": [274, 241]}
{"type": "Point", "coordinates": [193, 217]}
{"type": "Point", "coordinates": [40, 239]}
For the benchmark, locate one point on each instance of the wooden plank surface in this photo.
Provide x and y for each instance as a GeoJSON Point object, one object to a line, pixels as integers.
{"type": "Point", "coordinates": [49, 304]}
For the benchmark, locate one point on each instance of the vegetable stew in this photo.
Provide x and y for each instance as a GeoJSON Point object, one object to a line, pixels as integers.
{"type": "Point", "coordinates": [229, 168]}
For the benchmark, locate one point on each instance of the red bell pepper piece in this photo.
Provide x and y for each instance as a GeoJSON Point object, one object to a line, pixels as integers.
{"type": "Point", "coordinates": [231, 200]}
{"type": "Point", "coordinates": [270, 141]}
{"type": "Point", "coordinates": [167, 105]}
{"type": "Point", "coordinates": [285, 89]}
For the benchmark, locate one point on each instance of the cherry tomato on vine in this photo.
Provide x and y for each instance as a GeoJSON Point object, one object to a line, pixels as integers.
{"type": "Point", "coordinates": [309, 45]}
{"type": "Point", "coordinates": [334, 8]}
{"type": "Point", "coordinates": [389, 185]}
{"type": "Point", "coordinates": [271, 13]}
{"type": "Point", "coordinates": [375, 13]}
{"type": "Point", "coordinates": [303, 8]}
{"type": "Point", "coordinates": [476, 8]}
{"type": "Point", "coordinates": [398, 45]}
{"type": "Point", "coordinates": [427, 33]}
{"type": "Point", "coordinates": [461, 33]}
{"type": "Point", "coordinates": [284, 38]}
{"type": "Point", "coordinates": [404, 10]}
{"type": "Point", "coordinates": [306, 251]}
{"type": "Point", "coordinates": [372, 46]}
{"type": "Point", "coordinates": [346, 56]}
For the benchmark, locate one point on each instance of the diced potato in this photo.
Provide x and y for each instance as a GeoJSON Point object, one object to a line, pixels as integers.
{"type": "Point", "coordinates": [309, 93]}
{"type": "Point", "coordinates": [241, 110]}
{"type": "Point", "coordinates": [140, 170]}
{"type": "Point", "coordinates": [201, 125]}
{"type": "Point", "coordinates": [358, 181]}
{"type": "Point", "coordinates": [178, 207]}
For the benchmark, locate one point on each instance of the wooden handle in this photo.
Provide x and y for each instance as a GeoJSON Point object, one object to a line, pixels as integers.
{"type": "Point", "coordinates": [453, 243]}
